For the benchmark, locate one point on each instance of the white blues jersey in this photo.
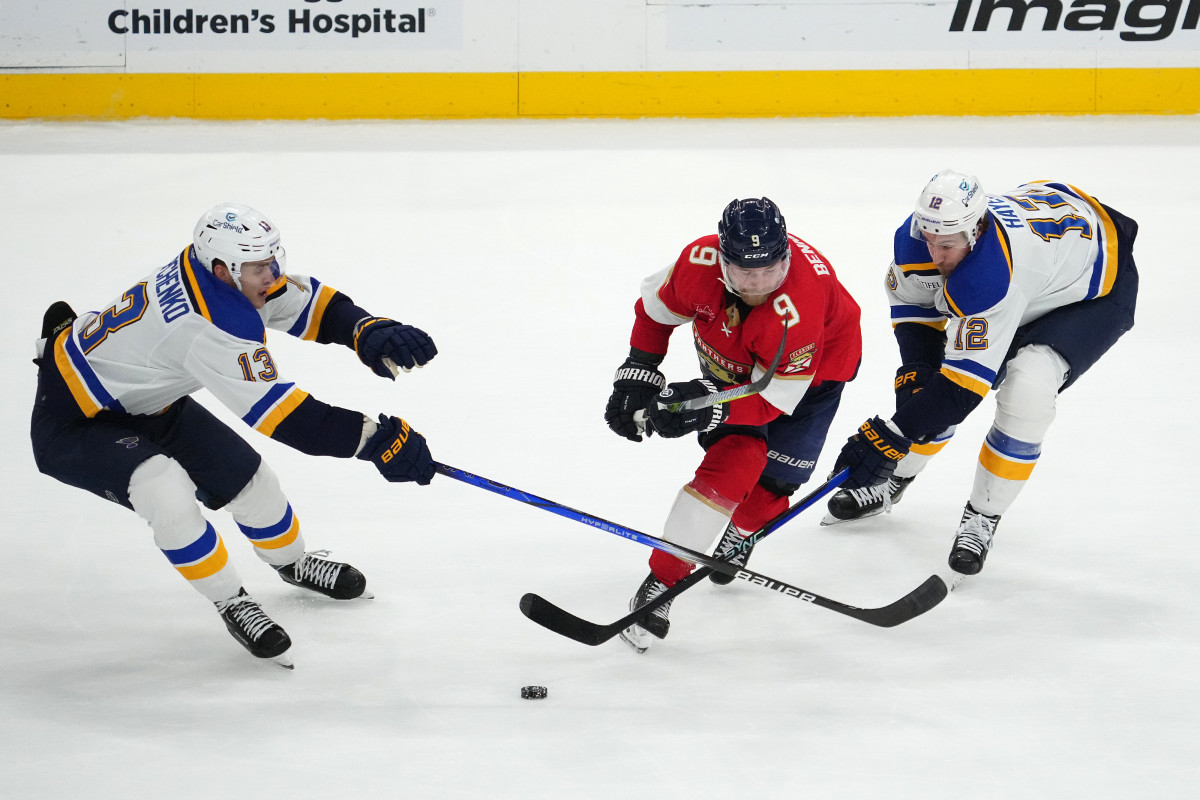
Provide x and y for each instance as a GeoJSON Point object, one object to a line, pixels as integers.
{"type": "Point", "coordinates": [181, 329]}
{"type": "Point", "coordinates": [1047, 245]}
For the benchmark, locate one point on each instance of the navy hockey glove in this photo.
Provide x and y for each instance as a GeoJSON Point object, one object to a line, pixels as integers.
{"type": "Point", "coordinates": [378, 338]}
{"type": "Point", "coordinates": [398, 452]}
{"type": "Point", "coordinates": [672, 425]}
{"type": "Point", "coordinates": [871, 454]}
{"type": "Point", "coordinates": [910, 379]}
{"type": "Point", "coordinates": [634, 387]}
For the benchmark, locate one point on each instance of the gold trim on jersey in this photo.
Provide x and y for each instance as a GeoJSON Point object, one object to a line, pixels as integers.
{"type": "Point", "coordinates": [185, 264]}
{"type": "Point", "coordinates": [318, 313]}
{"type": "Point", "coordinates": [286, 406]}
{"type": "Point", "coordinates": [87, 404]}
{"type": "Point", "coordinates": [966, 381]}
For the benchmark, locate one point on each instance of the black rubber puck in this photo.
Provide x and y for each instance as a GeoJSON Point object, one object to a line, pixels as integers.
{"type": "Point", "coordinates": [533, 692]}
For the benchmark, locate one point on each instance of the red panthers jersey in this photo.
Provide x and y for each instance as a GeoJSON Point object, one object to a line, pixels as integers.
{"type": "Point", "coordinates": [737, 342]}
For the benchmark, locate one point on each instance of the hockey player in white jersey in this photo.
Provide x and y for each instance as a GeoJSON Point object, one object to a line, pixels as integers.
{"type": "Point", "coordinates": [113, 414]}
{"type": "Point", "coordinates": [1020, 292]}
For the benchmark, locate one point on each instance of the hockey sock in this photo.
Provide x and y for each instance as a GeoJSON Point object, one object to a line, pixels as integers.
{"type": "Point", "coordinates": [266, 518]}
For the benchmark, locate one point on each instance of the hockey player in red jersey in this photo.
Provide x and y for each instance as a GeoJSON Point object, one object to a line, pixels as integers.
{"type": "Point", "coordinates": [113, 413]}
{"type": "Point", "coordinates": [1019, 292]}
{"type": "Point", "coordinates": [745, 290]}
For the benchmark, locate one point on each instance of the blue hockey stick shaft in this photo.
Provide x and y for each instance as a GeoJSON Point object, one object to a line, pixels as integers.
{"type": "Point", "coordinates": [916, 602]}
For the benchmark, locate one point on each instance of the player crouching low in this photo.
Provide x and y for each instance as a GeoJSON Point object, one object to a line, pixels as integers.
{"type": "Point", "coordinates": [750, 292]}
{"type": "Point", "coordinates": [113, 413]}
{"type": "Point", "coordinates": [1020, 292]}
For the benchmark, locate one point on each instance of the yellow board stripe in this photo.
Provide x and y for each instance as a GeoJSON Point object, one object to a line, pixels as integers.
{"type": "Point", "coordinates": [286, 406]}
{"type": "Point", "coordinates": [473, 95]}
{"type": "Point", "coordinates": [209, 566]}
{"type": "Point", "coordinates": [65, 368]}
{"type": "Point", "coordinates": [1001, 467]}
{"type": "Point", "coordinates": [282, 540]}
{"type": "Point", "coordinates": [967, 381]}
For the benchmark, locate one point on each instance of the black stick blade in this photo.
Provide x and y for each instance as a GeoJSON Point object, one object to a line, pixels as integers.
{"type": "Point", "coordinates": [913, 604]}
{"type": "Point", "coordinates": [564, 623]}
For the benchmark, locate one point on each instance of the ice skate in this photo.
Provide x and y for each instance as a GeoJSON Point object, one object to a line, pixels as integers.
{"type": "Point", "coordinates": [641, 636]}
{"type": "Point", "coordinates": [852, 504]}
{"type": "Point", "coordinates": [257, 632]}
{"type": "Point", "coordinates": [972, 541]}
{"type": "Point", "coordinates": [331, 578]}
{"type": "Point", "coordinates": [732, 549]}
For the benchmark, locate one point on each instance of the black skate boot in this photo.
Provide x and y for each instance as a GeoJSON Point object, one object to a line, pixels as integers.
{"type": "Point", "coordinates": [972, 541]}
{"type": "Point", "coordinates": [257, 632]}
{"type": "Point", "coordinates": [851, 504]}
{"type": "Point", "coordinates": [331, 578]}
{"type": "Point", "coordinates": [732, 549]}
{"type": "Point", "coordinates": [657, 624]}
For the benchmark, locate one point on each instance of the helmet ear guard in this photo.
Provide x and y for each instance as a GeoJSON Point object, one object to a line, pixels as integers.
{"type": "Point", "coordinates": [951, 203]}
{"type": "Point", "coordinates": [234, 234]}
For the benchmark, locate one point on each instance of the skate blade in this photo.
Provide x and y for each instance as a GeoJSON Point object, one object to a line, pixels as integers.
{"type": "Point", "coordinates": [637, 648]}
{"type": "Point", "coordinates": [830, 519]}
{"type": "Point", "coordinates": [284, 660]}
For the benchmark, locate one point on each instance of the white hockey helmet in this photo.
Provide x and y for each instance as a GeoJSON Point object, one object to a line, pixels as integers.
{"type": "Point", "coordinates": [234, 234]}
{"type": "Point", "coordinates": [952, 202]}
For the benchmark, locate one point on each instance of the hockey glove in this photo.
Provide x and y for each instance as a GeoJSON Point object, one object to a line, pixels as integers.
{"type": "Point", "coordinates": [378, 338]}
{"type": "Point", "coordinates": [871, 454]}
{"type": "Point", "coordinates": [910, 379]}
{"type": "Point", "coordinates": [634, 387]}
{"type": "Point", "coordinates": [672, 425]}
{"type": "Point", "coordinates": [398, 452]}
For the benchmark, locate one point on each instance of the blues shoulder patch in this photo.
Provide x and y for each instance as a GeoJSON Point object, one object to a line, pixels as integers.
{"type": "Point", "coordinates": [982, 279]}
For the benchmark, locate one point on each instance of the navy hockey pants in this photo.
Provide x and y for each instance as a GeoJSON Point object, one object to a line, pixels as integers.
{"type": "Point", "coordinates": [100, 454]}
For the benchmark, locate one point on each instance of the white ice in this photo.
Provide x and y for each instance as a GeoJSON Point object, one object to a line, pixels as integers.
{"type": "Point", "coordinates": [1068, 669]}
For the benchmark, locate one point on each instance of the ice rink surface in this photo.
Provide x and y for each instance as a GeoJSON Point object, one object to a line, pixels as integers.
{"type": "Point", "coordinates": [1067, 669]}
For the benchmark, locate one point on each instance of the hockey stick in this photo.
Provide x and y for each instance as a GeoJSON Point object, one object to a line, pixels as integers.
{"type": "Point", "coordinates": [564, 623]}
{"type": "Point", "coordinates": [916, 602]}
{"type": "Point", "coordinates": [735, 392]}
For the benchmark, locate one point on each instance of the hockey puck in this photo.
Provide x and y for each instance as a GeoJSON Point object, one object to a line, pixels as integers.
{"type": "Point", "coordinates": [533, 692]}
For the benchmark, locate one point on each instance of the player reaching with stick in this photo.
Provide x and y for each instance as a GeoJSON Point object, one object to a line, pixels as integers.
{"type": "Point", "coordinates": [1020, 292]}
{"type": "Point", "coordinates": [113, 415]}
{"type": "Point", "coordinates": [750, 292]}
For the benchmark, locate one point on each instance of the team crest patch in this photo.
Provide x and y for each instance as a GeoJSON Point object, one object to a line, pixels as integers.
{"type": "Point", "coordinates": [800, 360]}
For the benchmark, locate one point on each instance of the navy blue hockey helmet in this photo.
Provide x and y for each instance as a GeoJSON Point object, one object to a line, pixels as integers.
{"type": "Point", "coordinates": [752, 235]}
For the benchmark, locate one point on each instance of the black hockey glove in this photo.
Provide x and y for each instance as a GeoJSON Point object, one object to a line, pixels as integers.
{"type": "Point", "coordinates": [910, 379]}
{"type": "Point", "coordinates": [871, 454]}
{"type": "Point", "coordinates": [398, 452]}
{"type": "Point", "coordinates": [673, 424]}
{"type": "Point", "coordinates": [378, 338]}
{"type": "Point", "coordinates": [634, 388]}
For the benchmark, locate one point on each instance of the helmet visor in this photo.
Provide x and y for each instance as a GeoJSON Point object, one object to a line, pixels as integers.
{"type": "Point", "coordinates": [275, 265]}
{"type": "Point", "coordinates": [755, 280]}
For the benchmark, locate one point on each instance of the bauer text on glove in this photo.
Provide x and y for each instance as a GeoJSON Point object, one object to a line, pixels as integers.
{"type": "Point", "coordinates": [398, 452]}
{"type": "Point", "coordinates": [872, 453]}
